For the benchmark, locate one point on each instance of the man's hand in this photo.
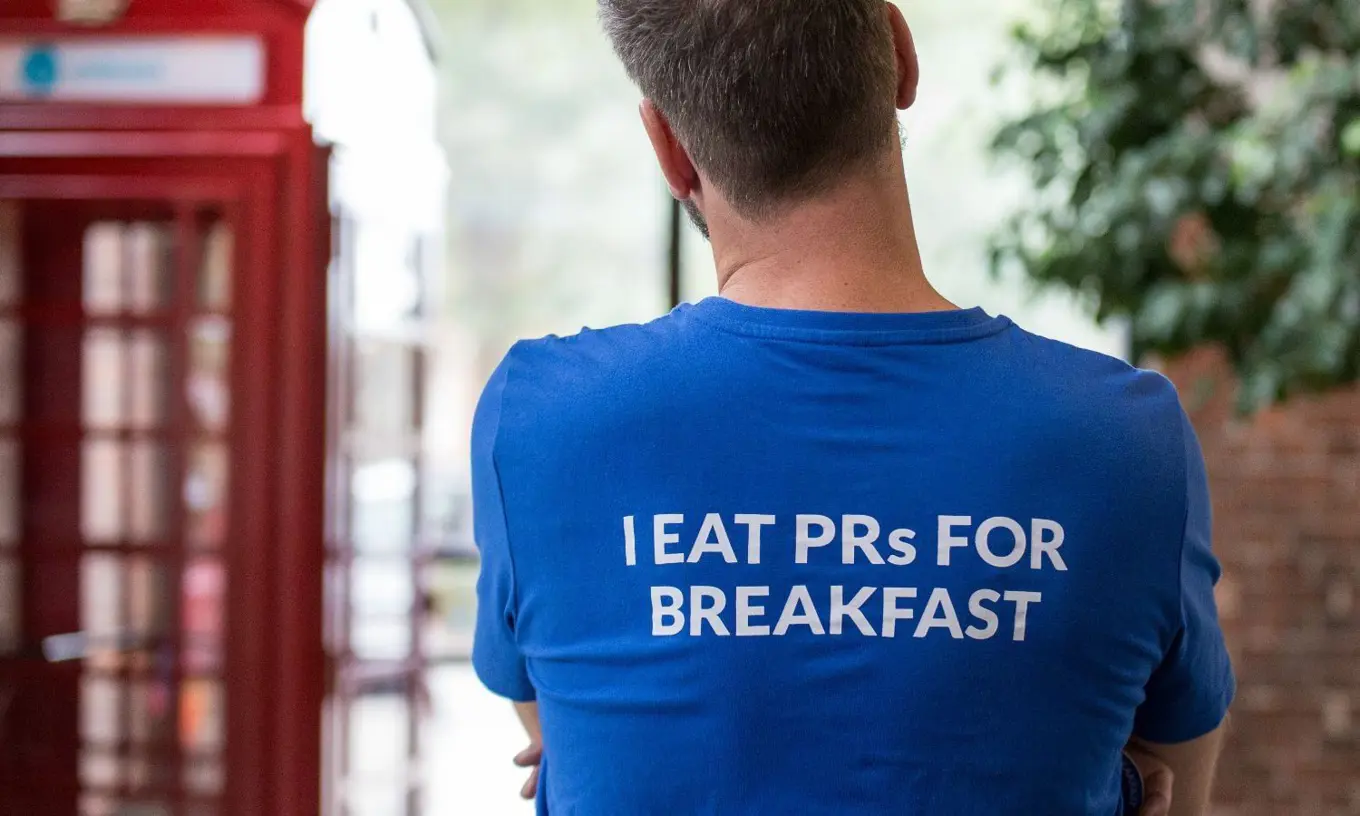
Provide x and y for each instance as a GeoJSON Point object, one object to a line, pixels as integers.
{"type": "Point", "coordinates": [531, 757]}
{"type": "Point", "coordinates": [1158, 781]}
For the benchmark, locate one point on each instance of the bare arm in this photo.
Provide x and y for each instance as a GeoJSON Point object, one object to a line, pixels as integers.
{"type": "Point", "coordinates": [532, 756]}
{"type": "Point", "coordinates": [528, 717]}
{"type": "Point", "coordinates": [1192, 767]}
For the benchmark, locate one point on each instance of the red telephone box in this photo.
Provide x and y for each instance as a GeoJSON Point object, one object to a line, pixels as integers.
{"type": "Point", "coordinates": [175, 462]}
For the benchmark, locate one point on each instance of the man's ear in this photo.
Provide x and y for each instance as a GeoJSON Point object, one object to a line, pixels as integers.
{"type": "Point", "coordinates": [908, 64]}
{"type": "Point", "coordinates": [681, 175]}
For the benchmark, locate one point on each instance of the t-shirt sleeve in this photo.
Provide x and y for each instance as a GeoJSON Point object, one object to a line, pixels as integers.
{"type": "Point", "coordinates": [496, 656]}
{"type": "Point", "coordinates": [1189, 693]}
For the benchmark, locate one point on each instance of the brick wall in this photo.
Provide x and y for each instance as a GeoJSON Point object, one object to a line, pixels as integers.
{"type": "Point", "coordinates": [1286, 488]}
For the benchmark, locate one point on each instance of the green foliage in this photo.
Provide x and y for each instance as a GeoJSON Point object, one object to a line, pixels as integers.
{"type": "Point", "coordinates": [1197, 165]}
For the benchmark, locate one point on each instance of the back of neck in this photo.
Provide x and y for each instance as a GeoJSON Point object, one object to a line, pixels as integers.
{"type": "Point", "coordinates": [852, 249]}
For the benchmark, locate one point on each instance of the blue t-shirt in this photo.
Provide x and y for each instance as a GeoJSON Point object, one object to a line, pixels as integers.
{"type": "Point", "coordinates": [755, 561]}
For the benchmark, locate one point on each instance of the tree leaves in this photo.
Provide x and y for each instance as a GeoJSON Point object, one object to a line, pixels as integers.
{"type": "Point", "coordinates": [1197, 171]}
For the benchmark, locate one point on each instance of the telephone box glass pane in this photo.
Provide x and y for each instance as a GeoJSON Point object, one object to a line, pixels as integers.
{"type": "Point", "coordinates": [100, 768]}
{"type": "Point", "coordinates": [11, 372]}
{"type": "Point", "coordinates": [124, 377]}
{"type": "Point", "coordinates": [147, 264]}
{"type": "Point", "coordinates": [147, 360]}
{"type": "Point", "coordinates": [124, 491]}
{"type": "Point", "coordinates": [149, 720]}
{"type": "Point", "coordinates": [147, 604]}
{"type": "Point", "coordinates": [11, 253]}
{"type": "Point", "coordinates": [103, 290]}
{"type": "Point", "coordinates": [104, 485]}
{"type": "Point", "coordinates": [203, 776]}
{"type": "Point", "coordinates": [9, 493]}
{"type": "Point", "coordinates": [203, 611]}
{"type": "Point", "coordinates": [214, 284]}
{"type": "Point", "coordinates": [201, 716]}
{"type": "Point", "coordinates": [10, 595]}
{"type": "Point", "coordinates": [205, 495]}
{"type": "Point", "coordinates": [9, 604]}
{"type": "Point", "coordinates": [101, 609]}
{"type": "Point", "coordinates": [101, 710]}
{"type": "Point", "coordinates": [126, 268]}
{"type": "Point", "coordinates": [97, 804]}
{"type": "Point", "coordinates": [148, 491]}
{"type": "Point", "coordinates": [209, 373]}
{"type": "Point", "coordinates": [104, 365]}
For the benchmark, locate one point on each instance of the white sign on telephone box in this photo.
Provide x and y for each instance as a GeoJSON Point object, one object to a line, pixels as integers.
{"type": "Point", "coordinates": [225, 70]}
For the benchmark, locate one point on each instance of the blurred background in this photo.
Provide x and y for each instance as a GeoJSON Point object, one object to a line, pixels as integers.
{"type": "Point", "coordinates": [257, 258]}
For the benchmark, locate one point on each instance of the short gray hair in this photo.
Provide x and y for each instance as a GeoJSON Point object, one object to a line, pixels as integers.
{"type": "Point", "coordinates": [773, 99]}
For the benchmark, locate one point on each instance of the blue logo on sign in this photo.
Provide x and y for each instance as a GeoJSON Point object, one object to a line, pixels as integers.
{"type": "Point", "coordinates": [39, 68]}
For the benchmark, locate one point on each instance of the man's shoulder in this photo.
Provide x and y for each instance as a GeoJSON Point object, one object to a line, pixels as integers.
{"type": "Point", "coordinates": [1099, 400]}
{"type": "Point", "coordinates": [1105, 381]}
{"type": "Point", "coordinates": [595, 369]}
{"type": "Point", "coordinates": [592, 352]}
